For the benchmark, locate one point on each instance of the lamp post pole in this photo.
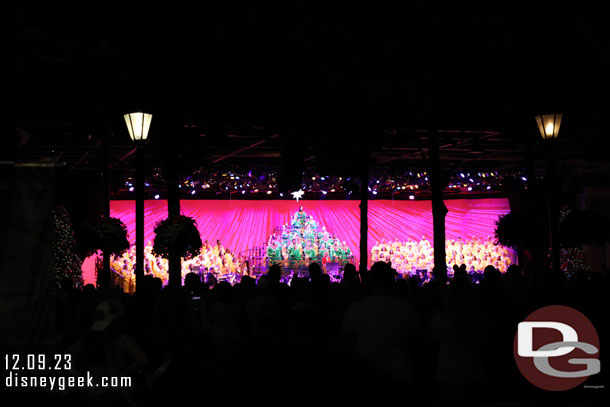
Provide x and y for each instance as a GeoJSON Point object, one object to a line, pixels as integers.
{"type": "Point", "coordinates": [139, 184]}
{"type": "Point", "coordinates": [548, 125]}
{"type": "Point", "coordinates": [138, 124]}
{"type": "Point", "coordinates": [553, 218]}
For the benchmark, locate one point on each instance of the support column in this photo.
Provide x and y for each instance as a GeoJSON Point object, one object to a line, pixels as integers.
{"type": "Point", "coordinates": [173, 209]}
{"type": "Point", "coordinates": [439, 210]}
{"type": "Point", "coordinates": [139, 216]}
{"type": "Point", "coordinates": [103, 279]}
{"type": "Point", "coordinates": [364, 222]}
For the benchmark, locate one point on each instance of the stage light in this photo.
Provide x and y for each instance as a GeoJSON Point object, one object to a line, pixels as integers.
{"type": "Point", "coordinates": [281, 194]}
{"type": "Point", "coordinates": [324, 192]}
{"type": "Point", "coordinates": [236, 177]}
{"type": "Point", "coordinates": [375, 192]}
{"type": "Point", "coordinates": [131, 189]}
{"type": "Point", "coordinates": [157, 196]}
{"type": "Point", "coordinates": [193, 192]}
{"type": "Point", "coordinates": [523, 179]}
{"type": "Point", "coordinates": [313, 178]}
{"type": "Point", "coordinates": [411, 197]}
{"type": "Point", "coordinates": [138, 124]}
{"type": "Point", "coordinates": [488, 187]}
{"type": "Point", "coordinates": [332, 190]}
{"type": "Point", "coordinates": [462, 175]}
{"type": "Point", "coordinates": [243, 192]}
{"type": "Point", "coordinates": [256, 190]}
{"type": "Point", "coordinates": [469, 188]}
{"type": "Point", "coordinates": [268, 192]}
{"type": "Point", "coordinates": [548, 124]}
{"type": "Point", "coordinates": [147, 184]}
{"type": "Point", "coordinates": [369, 189]}
{"type": "Point", "coordinates": [322, 178]}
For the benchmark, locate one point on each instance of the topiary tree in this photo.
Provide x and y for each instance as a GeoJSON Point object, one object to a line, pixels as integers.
{"type": "Point", "coordinates": [106, 234]}
{"type": "Point", "coordinates": [176, 237]}
{"type": "Point", "coordinates": [528, 234]}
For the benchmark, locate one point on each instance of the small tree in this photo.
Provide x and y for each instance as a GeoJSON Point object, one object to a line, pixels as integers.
{"type": "Point", "coordinates": [528, 234]}
{"type": "Point", "coordinates": [176, 237]}
{"type": "Point", "coordinates": [66, 263]}
{"type": "Point", "coordinates": [106, 234]}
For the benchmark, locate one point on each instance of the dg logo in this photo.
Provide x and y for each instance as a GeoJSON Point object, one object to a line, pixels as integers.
{"type": "Point", "coordinates": [556, 348]}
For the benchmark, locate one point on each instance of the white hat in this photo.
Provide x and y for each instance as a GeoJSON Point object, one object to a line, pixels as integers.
{"type": "Point", "coordinates": [106, 312]}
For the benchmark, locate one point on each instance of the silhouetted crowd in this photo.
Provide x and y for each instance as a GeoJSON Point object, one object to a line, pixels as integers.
{"type": "Point", "coordinates": [372, 339]}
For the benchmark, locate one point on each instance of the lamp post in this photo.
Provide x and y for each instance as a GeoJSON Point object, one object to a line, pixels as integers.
{"type": "Point", "coordinates": [548, 125]}
{"type": "Point", "coordinates": [138, 124]}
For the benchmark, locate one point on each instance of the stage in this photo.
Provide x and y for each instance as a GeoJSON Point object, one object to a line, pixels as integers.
{"type": "Point", "coordinates": [241, 225]}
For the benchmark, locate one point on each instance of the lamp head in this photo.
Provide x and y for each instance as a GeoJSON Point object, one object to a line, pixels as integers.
{"type": "Point", "coordinates": [138, 124]}
{"type": "Point", "coordinates": [548, 125]}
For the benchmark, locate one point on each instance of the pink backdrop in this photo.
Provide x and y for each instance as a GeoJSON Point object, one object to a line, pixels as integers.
{"type": "Point", "coordinates": [242, 224]}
